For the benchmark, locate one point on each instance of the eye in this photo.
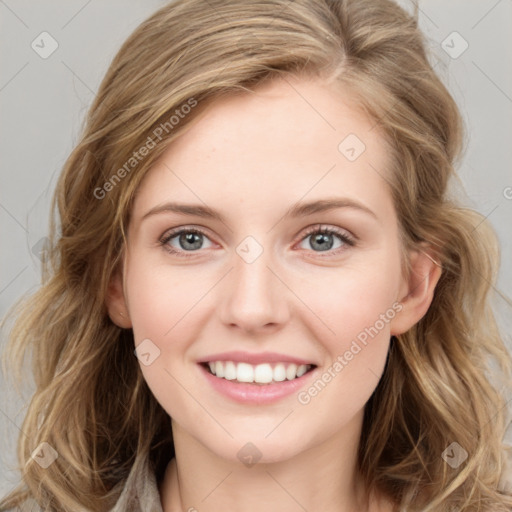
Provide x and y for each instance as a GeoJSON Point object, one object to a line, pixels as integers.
{"type": "Point", "coordinates": [189, 240]}
{"type": "Point", "coordinates": [323, 239]}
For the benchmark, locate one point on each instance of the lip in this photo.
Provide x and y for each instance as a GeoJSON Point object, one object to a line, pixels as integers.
{"type": "Point", "coordinates": [239, 356]}
{"type": "Point", "coordinates": [255, 394]}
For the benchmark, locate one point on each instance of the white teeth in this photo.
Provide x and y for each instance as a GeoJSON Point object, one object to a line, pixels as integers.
{"type": "Point", "coordinates": [301, 370]}
{"type": "Point", "coordinates": [263, 373]}
{"type": "Point", "coordinates": [260, 373]}
{"type": "Point", "coordinates": [230, 371]}
{"type": "Point", "coordinates": [291, 372]}
{"type": "Point", "coordinates": [219, 369]}
{"type": "Point", "coordinates": [244, 372]}
{"type": "Point", "coordinates": [279, 372]}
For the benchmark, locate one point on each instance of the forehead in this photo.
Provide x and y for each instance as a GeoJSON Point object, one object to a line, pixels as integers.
{"type": "Point", "coordinates": [289, 140]}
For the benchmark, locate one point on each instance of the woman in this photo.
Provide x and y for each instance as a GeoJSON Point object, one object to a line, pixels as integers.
{"type": "Point", "coordinates": [249, 370]}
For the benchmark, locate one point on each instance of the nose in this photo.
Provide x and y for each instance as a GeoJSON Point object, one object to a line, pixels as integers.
{"type": "Point", "coordinates": [254, 296]}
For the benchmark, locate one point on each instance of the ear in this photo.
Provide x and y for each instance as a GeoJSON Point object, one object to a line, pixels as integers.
{"type": "Point", "coordinates": [417, 289]}
{"type": "Point", "coordinates": [116, 302]}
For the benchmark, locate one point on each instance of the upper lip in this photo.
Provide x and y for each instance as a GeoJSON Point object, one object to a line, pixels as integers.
{"type": "Point", "coordinates": [238, 356]}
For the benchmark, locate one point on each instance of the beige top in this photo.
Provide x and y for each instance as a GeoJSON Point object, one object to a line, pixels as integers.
{"type": "Point", "coordinates": [140, 492]}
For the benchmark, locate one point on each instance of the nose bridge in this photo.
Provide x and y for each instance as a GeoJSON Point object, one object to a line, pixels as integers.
{"type": "Point", "coordinates": [254, 297]}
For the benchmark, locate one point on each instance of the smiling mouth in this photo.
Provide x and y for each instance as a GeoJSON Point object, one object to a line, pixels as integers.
{"type": "Point", "coordinates": [260, 374]}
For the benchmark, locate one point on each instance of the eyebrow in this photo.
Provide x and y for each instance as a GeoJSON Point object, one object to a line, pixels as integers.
{"type": "Point", "coordinates": [297, 210]}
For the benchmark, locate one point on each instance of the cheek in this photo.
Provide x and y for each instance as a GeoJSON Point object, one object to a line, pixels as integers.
{"type": "Point", "coordinates": [159, 298]}
{"type": "Point", "coordinates": [165, 311]}
{"type": "Point", "coordinates": [354, 333]}
{"type": "Point", "coordinates": [350, 301]}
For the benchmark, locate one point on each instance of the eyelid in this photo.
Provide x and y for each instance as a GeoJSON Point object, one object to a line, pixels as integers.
{"type": "Point", "coordinates": [171, 233]}
{"type": "Point", "coordinates": [320, 228]}
{"type": "Point", "coordinates": [345, 236]}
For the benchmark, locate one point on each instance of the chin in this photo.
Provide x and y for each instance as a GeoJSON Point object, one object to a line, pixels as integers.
{"type": "Point", "coordinates": [250, 450]}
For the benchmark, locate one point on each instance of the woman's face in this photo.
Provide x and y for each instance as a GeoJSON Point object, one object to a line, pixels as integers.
{"type": "Point", "coordinates": [259, 280]}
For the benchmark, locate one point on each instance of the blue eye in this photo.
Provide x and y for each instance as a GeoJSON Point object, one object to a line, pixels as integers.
{"type": "Point", "coordinates": [190, 240]}
{"type": "Point", "coordinates": [323, 239]}
{"type": "Point", "coordinates": [186, 238]}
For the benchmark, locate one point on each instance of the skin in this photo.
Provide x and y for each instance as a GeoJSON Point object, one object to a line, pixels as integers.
{"type": "Point", "coordinates": [252, 157]}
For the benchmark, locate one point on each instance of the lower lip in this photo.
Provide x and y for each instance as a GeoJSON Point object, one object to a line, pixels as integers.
{"type": "Point", "coordinates": [247, 393]}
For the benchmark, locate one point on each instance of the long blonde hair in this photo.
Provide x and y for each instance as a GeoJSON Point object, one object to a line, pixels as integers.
{"type": "Point", "coordinates": [91, 402]}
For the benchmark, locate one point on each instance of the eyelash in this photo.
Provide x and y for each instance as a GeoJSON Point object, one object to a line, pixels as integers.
{"type": "Point", "coordinates": [344, 237]}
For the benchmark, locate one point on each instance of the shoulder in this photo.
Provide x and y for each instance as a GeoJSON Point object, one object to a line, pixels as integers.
{"type": "Point", "coordinates": [140, 491]}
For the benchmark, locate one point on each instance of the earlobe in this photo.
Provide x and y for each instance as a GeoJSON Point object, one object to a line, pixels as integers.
{"type": "Point", "coordinates": [116, 302]}
{"type": "Point", "coordinates": [417, 291]}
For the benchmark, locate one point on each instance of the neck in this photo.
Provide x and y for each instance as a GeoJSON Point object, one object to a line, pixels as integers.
{"type": "Point", "coordinates": [324, 477]}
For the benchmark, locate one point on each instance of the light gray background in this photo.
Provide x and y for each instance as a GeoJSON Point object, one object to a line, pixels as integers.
{"type": "Point", "coordinates": [43, 102]}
